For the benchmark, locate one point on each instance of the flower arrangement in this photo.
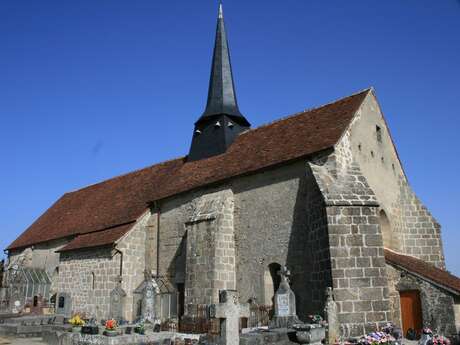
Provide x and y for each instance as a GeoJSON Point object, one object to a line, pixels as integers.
{"type": "Point", "coordinates": [77, 321]}
{"type": "Point", "coordinates": [440, 340]}
{"type": "Point", "coordinates": [111, 325]}
{"type": "Point", "coordinates": [375, 338]}
{"type": "Point", "coordinates": [315, 319]}
{"type": "Point", "coordinates": [140, 328]}
{"type": "Point", "coordinates": [427, 330]}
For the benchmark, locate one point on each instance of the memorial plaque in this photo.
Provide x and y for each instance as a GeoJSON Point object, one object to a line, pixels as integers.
{"type": "Point", "coordinates": [283, 304]}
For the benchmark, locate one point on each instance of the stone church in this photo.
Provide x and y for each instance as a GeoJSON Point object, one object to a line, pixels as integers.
{"type": "Point", "coordinates": [322, 192]}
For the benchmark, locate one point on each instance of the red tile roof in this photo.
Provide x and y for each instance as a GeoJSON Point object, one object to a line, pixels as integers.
{"type": "Point", "coordinates": [98, 238]}
{"type": "Point", "coordinates": [424, 269]}
{"type": "Point", "coordinates": [124, 198]}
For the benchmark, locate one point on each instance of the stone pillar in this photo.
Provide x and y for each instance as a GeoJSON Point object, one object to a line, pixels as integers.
{"type": "Point", "coordinates": [210, 258]}
{"type": "Point", "coordinates": [330, 314]}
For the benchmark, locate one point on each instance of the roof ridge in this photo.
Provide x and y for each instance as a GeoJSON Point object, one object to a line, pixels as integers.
{"type": "Point", "coordinates": [307, 110]}
{"type": "Point", "coordinates": [125, 174]}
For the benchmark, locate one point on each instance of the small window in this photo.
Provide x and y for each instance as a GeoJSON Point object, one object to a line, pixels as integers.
{"type": "Point", "coordinates": [378, 132]}
{"type": "Point", "coordinates": [372, 154]}
{"type": "Point", "coordinates": [359, 147]}
{"type": "Point", "coordinates": [93, 280]}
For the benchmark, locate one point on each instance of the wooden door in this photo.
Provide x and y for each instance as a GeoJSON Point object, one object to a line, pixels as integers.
{"type": "Point", "coordinates": [411, 311]}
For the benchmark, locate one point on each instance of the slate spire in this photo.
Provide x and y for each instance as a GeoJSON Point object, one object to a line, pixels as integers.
{"type": "Point", "coordinates": [222, 120]}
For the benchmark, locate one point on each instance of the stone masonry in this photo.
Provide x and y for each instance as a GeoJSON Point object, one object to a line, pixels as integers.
{"type": "Point", "coordinates": [356, 247]}
{"type": "Point", "coordinates": [210, 249]}
{"type": "Point", "coordinates": [437, 304]}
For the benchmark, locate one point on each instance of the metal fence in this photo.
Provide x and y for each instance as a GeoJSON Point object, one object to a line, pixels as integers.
{"type": "Point", "coordinates": [259, 315]}
{"type": "Point", "coordinates": [199, 321]}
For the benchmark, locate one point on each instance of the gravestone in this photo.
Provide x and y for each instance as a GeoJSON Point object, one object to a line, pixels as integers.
{"type": "Point", "coordinates": [148, 299]}
{"type": "Point", "coordinates": [285, 308]}
{"type": "Point", "coordinates": [229, 311]}
{"type": "Point", "coordinates": [16, 300]}
{"type": "Point", "coordinates": [64, 304]}
{"type": "Point", "coordinates": [117, 302]}
{"type": "Point", "coordinates": [330, 313]}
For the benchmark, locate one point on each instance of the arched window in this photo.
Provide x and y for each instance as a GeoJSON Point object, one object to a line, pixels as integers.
{"type": "Point", "coordinates": [271, 282]}
{"type": "Point", "coordinates": [387, 233]}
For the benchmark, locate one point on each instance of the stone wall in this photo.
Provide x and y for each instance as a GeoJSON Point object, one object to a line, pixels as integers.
{"type": "Point", "coordinates": [457, 312]}
{"type": "Point", "coordinates": [42, 256]}
{"type": "Point", "coordinates": [414, 231]}
{"type": "Point", "coordinates": [133, 246]}
{"type": "Point", "coordinates": [437, 304]}
{"type": "Point", "coordinates": [89, 276]}
{"type": "Point", "coordinates": [271, 229]}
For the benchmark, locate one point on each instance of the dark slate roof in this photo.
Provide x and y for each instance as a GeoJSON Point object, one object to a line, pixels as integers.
{"type": "Point", "coordinates": [421, 268]}
{"type": "Point", "coordinates": [221, 94]}
{"type": "Point", "coordinates": [125, 198]}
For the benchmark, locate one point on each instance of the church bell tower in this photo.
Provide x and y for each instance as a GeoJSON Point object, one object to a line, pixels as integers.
{"type": "Point", "coordinates": [221, 121]}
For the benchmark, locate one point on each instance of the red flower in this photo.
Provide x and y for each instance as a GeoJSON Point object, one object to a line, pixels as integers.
{"type": "Point", "coordinates": [111, 324]}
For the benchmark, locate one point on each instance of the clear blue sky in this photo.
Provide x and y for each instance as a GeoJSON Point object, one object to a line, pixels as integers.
{"type": "Point", "coordinates": [92, 89]}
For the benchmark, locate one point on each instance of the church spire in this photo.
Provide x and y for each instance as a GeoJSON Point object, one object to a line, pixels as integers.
{"type": "Point", "coordinates": [222, 120]}
{"type": "Point", "coordinates": [221, 95]}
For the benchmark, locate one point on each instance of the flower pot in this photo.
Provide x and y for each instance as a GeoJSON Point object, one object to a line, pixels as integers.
{"type": "Point", "coordinates": [76, 329]}
{"type": "Point", "coordinates": [139, 330]}
{"type": "Point", "coordinates": [110, 332]}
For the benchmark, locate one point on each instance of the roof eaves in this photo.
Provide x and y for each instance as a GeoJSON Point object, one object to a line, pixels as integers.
{"type": "Point", "coordinates": [421, 276]}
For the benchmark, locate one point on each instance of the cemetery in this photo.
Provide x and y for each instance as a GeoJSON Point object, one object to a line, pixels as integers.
{"type": "Point", "coordinates": [301, 231]}
{"type": "Point", "coordinates": [228, 322]}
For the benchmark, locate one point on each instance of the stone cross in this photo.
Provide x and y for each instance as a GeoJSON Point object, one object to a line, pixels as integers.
{"type": "Point", "coordinates": [284, 273]}
{"type": "Point", "coordinates": [229, 311]}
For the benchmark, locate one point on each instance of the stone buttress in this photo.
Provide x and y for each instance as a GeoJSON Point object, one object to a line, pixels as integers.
{"type": "Point", "coordinates": [210, 250]}
{"type": "Point", "coordinates": [358, 270]}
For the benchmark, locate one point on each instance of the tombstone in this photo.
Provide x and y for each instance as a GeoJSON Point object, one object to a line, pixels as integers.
{"type": "Point", "coordinates": [285, 308]}
{"type": "Point", "coordinates": [229, 311]}
{"type": "Point", "coordinates": [148, 299]}
{"type": "Point", "coordinates": [15, 300]}
{"type": "Point", "coordinates": [64, 304]}
{"type": "Point", "coordinates": [117, 301]}
{"type": "Point", "coordinates": [330, 313]}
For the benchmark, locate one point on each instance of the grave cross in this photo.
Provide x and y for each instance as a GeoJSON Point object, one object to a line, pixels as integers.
{"type": "Point", "coordinates": [230, 312]}
{"type": "Point", "coordinates": [284, 273]}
